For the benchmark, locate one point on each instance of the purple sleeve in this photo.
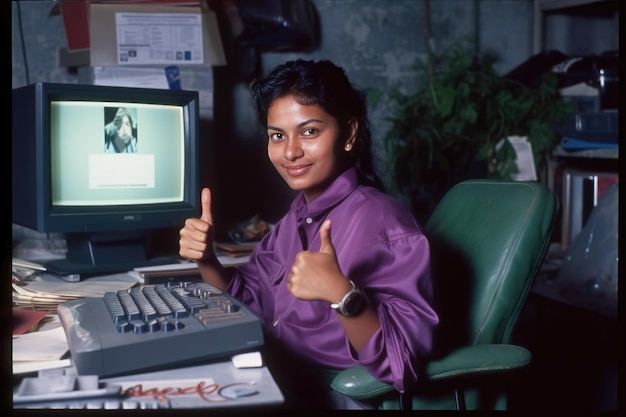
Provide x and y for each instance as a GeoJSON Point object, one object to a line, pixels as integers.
{"type": "Point", "coordinates": [406, 316]}
{"type": "Point", "coordinates": [250, 280]}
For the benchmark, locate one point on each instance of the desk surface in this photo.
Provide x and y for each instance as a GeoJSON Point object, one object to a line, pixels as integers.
{"type": "Point", "coordinates": [550, 286]}
{"type": "Point", "coordinates": [206, 386]}
{"type": "Point", "coordinates": [565, 295]}
{"type": "Point", "coordinates": [214, 385]}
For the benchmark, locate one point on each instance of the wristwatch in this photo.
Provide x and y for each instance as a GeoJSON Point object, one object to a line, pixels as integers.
{"type": "Point", "coordinates": [351, 303]}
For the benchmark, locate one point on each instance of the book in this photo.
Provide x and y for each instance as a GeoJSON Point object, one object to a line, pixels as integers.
{"type": "Point", "coordinates": [25, 320]}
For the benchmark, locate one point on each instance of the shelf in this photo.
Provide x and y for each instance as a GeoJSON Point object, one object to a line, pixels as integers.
{"type": "Point", "coordinates": [587, 153]}
{"type": "Point", "coordinates": [576, 27]}
{"type": "Point", "coordinates": [564, 4]}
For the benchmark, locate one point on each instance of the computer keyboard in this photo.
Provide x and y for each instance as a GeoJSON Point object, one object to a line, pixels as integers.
{"type": "Point", "coordinates": [156, 327]}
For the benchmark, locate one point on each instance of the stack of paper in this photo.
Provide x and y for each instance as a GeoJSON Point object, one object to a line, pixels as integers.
{"type": "Point", "coordinates": [40, 350]}
{"type": "Point", "coordinates": [184, 268]}
{"type": "Point", "coordinates": [46, 291]}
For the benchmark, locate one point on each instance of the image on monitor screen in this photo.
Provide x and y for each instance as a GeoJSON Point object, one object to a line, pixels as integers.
{"type": "Point", "coordinates": [105, 166]}
{"type": "Point", "coordinates": [120, 131]}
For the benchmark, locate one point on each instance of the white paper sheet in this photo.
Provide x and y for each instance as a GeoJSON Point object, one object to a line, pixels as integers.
{"type": "Point", "coordinates": [48, 345]}
{"type": "Point", "coordinates": [159, 38]}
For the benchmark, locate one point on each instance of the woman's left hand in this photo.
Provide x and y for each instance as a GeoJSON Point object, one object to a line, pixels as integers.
{"type": "Point", "coordinates": [316, 275]}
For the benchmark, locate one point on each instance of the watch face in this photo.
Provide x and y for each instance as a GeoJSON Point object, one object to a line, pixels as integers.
{"type": "Point", "coordinates": [352, 304]}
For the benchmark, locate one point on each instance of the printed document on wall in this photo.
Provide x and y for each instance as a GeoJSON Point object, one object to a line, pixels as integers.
{"type": "Point", "coordinates": [159, 38]}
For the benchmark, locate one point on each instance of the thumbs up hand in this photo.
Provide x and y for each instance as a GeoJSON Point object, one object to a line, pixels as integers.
{"type": "Point", "coordinates": [326, 246]}
{"type": "Point", "coordinates": [316, 275]}
{"type": "Point", "coordinates": [197, 235]}
{"type": "Point", "coordinates": [205, 204]}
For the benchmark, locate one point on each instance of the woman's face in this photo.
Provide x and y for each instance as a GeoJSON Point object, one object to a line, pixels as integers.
{"type": "Point", "coordinates": [125, 131]}
{"type": "Point", "coordinates": [305, 145]}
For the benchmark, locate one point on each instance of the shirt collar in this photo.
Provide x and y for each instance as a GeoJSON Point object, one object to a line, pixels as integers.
{"type": "Point", "coordinates": [338, 190]}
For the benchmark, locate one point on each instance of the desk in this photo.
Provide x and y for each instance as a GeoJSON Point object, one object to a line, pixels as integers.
{"type": "Point", "coordinates": [552, 288]}
{"type": "Point", "coordinates": [575, 357]}
{"type": "Point", "coordinates": [212, 384]}
{"type": "Point", "coordinates": [575, 351]}
{"type": "Point", "coordinates": [200, 386]}
{"type": "Point", "coordinates": [223, 374]}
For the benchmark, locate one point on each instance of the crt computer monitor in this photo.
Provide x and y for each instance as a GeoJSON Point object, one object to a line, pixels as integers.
{"type": "Point", "coordinates": [68, 177]}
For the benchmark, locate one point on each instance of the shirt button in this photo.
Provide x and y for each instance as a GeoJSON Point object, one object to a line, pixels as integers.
{"type": "Point", "coordinates": [309, 220]}
{"type": "Point", "coordinates": [275, 323]}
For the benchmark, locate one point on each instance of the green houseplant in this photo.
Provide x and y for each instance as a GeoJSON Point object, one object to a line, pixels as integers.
{"type": "Point", "coordinates": [457, 119]}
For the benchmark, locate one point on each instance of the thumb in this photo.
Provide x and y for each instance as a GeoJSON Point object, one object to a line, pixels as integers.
{"type": "Point", "coordinates": [205, 201]}
{"type": "Point", "coordinates": [326, 245]}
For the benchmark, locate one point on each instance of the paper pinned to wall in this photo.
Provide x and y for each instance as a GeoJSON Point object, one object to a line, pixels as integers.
{"type": "Point", "coordinates": [159, 38]}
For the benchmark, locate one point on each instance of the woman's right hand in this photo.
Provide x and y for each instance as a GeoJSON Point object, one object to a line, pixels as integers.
{"type": "Point", "coordinates": [196, 237]}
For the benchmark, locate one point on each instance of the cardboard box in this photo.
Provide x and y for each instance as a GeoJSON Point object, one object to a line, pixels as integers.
{"type": "Point", "coordinates": [75, 15]}
{"type": "Point", "coordinates": [142, 34]}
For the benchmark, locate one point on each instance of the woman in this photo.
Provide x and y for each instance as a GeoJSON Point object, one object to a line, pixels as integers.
{"type": "Point", "coordinates": [119, 134]}
{"type": "Point", "coordinates": [344, 276]}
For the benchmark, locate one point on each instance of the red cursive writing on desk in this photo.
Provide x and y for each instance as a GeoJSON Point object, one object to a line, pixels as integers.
{"type": "Point", "coordinates": [206, 390]}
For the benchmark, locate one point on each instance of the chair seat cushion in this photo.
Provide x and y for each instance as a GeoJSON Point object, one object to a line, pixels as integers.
{"type": "Point", "coordinates": [474, 360]}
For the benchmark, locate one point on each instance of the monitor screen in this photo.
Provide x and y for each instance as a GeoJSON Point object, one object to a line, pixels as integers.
{"type": "Point", "coordinates": [106, 166]}
{"type": "Point", "coordinates": [95, 162]}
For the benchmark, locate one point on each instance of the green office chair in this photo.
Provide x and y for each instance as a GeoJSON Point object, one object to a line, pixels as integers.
{"type": "Point", "coordinates": [488, 239]}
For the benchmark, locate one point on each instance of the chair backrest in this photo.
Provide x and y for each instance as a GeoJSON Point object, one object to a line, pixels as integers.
{"type": "Point", "coordinates": [488, 240]}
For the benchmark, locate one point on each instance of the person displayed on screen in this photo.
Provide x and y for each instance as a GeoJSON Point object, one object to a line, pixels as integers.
{"type": "Point", "coordinates": [119, 133]}
{"type": "Point", "coordinates": [344, 277]}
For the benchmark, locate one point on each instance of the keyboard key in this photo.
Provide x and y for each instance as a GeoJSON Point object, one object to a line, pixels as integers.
{"type": "Point", "coordinates": [112, 405]}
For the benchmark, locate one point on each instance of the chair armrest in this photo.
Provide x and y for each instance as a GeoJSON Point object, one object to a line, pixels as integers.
{"type": "Point", "coordinates": [478, 359]}
{"type": "Point", "coordinates": [357, 383]}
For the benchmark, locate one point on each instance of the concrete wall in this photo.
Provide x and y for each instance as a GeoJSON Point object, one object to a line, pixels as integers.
{"type": "Point", "coordinates": [376, 41]}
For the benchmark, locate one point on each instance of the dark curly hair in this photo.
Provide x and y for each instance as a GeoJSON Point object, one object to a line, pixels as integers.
{"type": "Point", "coordinates": [326, 85]}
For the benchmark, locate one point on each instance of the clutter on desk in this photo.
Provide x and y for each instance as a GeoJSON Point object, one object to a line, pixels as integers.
{"type": "Point", "coordinates": [251, 230]}
{"type": "Point", "coordinates": [46, 291]}
{"type": "Point", "coordinates": [154, 273]}
{"type": "Point", "coordinates": [43, 345]}
{"type": "Point", "coordinates": [36, 351]}
{"type": "Point", "coordinates": [204, 386]}
{"type": "Point", "coordinates": [216, 384]}
{"type": "Point", "coordinates": [26, 320]}
{"type": "Point", "coordinates": [54, 386]}
{"type": "Point", "coordinates": [184, 270]}
{"type": "Point", "coordinates": [168, 277]}
{"type": "Point", "coordinates": [23, 270]}
{"type": "Point", "coordinates": [589, 270]}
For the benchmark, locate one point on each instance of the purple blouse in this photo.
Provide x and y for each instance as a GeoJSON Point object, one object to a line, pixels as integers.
{"type": "Point", "coordinates": [380, 247]}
